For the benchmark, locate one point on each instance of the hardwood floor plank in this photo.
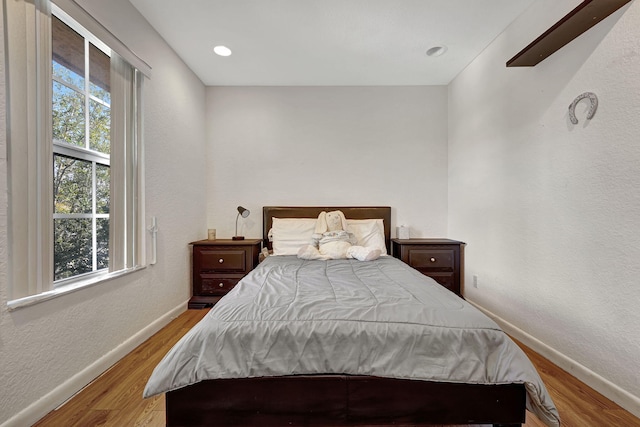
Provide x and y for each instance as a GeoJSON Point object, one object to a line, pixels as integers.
{"type": "Point", "coordinates": [115, 398]}
{"type": "Point", "coordinates": [153, 419]}
{"type": "Point", "coordinates": [95, 418]}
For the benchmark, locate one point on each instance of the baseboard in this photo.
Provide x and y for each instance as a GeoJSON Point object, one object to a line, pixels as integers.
{"type": "Point", "coordinates": [603, 386]}
{"type": "Point", "coordinates": [34, 412]}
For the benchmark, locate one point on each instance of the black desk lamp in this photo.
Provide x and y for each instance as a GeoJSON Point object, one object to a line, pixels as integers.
{"type": "Point", "coordinates": [244, 213]}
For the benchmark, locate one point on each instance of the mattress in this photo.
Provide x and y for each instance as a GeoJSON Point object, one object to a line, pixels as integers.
{"type": "Point", "coordinates": [380, 318]}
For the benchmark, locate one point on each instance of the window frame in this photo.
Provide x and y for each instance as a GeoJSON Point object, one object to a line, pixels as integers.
{"type": "Point", "coordinates": [82, 153]}
{"type": "Point", "coordinates": [30, 151]}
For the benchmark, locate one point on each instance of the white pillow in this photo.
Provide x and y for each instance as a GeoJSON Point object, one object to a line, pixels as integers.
{"type": "Point", "coordinates": [290, 234]}
{"type": "Point", "coordinates": [368, 232]}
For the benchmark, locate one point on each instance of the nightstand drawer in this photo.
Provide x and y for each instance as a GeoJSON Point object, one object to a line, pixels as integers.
{"type": "Point", "coordinates": [212, 285]}
{"type": "Point", "coordinates": [447, 280]}
{"type": "Point", "coordinates": [222, 260]}
{"type": "Point", "coordinates": [426, 259]}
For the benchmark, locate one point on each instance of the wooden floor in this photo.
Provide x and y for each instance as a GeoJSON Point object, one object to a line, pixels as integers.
{"type": "Point", "coordinates": [115, 399]}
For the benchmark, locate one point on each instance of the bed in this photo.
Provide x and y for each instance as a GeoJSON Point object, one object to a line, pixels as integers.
{"type": "Point", "coordinates": [345, 343]}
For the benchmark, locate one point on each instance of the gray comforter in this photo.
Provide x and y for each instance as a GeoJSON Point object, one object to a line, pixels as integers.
{"type": "Point", "coordinates": [380, 318]}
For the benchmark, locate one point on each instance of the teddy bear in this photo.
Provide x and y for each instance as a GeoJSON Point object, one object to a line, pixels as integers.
{"type": "Point", "coordinates": [331, 240]}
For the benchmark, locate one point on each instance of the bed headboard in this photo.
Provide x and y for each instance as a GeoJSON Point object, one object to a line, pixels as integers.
{"type": "Point", "coordinates": [350, 212]}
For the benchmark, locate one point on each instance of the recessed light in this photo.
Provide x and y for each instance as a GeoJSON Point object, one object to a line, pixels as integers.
{"type": "Point", "coordinates": [222, 50]}
{"type": "Point", "coordinates": [437, 51]}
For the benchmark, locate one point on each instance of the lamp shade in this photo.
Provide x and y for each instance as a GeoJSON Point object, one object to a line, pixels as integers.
{"type": "Point", "coordinates": [243, 212]}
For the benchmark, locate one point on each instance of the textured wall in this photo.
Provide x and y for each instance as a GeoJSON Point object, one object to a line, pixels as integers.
{"type": "Point", "coordinates": [328, 145]}
{"type": "Point", "coordinates": [44, 346]}
{"type": "Point", "coordinates": [550, 209]}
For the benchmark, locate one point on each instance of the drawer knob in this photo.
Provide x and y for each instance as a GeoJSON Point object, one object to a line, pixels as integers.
{"type": "Point", "coordinates": [433, 259]}
{"type": "Point", "coordinates": [221, 260]}
{"type": "Point", "coordinates": [221, 285]}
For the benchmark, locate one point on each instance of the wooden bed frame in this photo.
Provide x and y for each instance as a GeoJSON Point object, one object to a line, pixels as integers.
{"type": "Point", "coordinates": [341, 400]}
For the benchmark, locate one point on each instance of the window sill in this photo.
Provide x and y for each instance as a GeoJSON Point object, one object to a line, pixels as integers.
{"type": "Point", "coordinates": [67, 289]}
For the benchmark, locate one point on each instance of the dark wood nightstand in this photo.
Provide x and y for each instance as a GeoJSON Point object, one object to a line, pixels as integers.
{"type": "Point", "coordinates": [440, 259]}
{"type": "Point", "coordinates": [218, 265]}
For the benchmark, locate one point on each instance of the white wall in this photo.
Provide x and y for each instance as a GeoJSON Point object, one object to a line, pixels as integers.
{"type": "Point", "coordinates": [327, 146]}
{"type": "Point", "coordinates": [50, 350]}
{"type": "Point", "coordinates": [550, 210]}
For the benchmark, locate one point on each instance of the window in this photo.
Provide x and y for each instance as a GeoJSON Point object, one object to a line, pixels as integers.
{"type": "Point", "coordinates": [75, 173]}
{"type": "Point", "coordinates": [81, 121]}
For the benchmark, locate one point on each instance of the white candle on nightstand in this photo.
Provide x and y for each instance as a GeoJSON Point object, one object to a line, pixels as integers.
{"type": "Point", "coordinates": [402, 232]}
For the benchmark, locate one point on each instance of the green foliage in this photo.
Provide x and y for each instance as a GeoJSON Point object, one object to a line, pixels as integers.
{"type": "Point", "coordinates": [72, 247]}
{"type": "Point", "coordinates": [72, 185]}
{"type": "Point", "coordinates": [68, 115]}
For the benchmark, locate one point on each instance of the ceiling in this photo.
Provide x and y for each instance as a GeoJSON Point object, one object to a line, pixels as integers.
{"type": "Point", "coordinates": [329, 42]}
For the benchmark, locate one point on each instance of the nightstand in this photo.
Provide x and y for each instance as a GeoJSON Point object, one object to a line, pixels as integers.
{"type": "Point", "coordinates": [218, 265]}
{"type": "Point", "coordinates": [440, 259]}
